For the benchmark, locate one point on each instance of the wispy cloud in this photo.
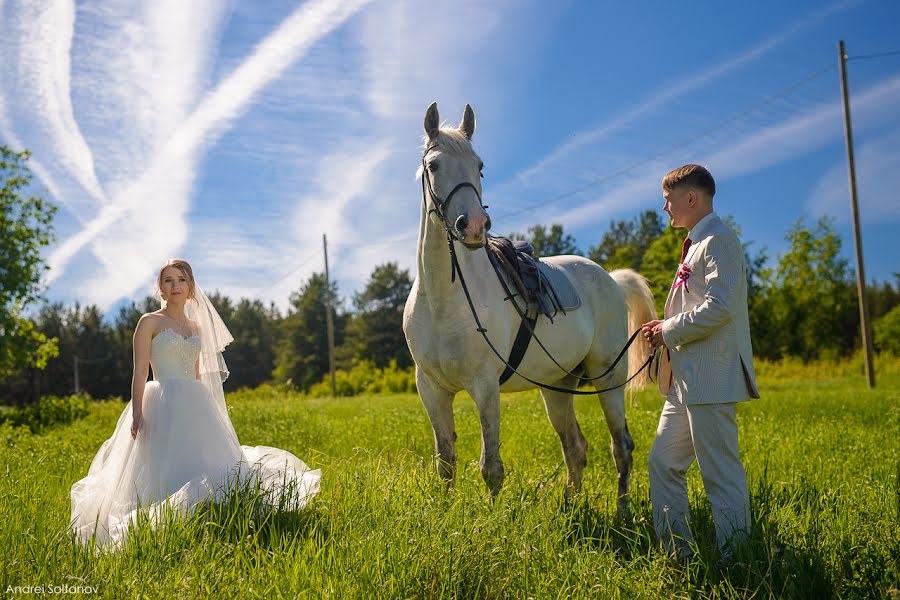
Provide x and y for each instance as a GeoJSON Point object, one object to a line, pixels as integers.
{"type": "Point", "coordinates": [35, 165]}
{"type": "Point", "coordinates": [878, 184]}
{"type": "Point", "coordinates": [731, 157]}
{"type": "Point", "coordinates": [362, 183]}
{"type": "Point", "coordinates": [799, 135]}
{"type": "Point", "coordinates": [39, 37]}
{"type": "Point", "coordinates": [171, 170]}
{"type": "Point", "coordinates": [667, 93]}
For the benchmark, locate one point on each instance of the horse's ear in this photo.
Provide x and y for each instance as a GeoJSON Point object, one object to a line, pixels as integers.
{"type": "Point", "coordinates": [432, 121]}
{"type": "Point", "coordinates": [467, 125]}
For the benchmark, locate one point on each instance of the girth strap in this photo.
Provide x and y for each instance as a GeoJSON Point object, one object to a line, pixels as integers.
{"type": "Point", "coordinates": [520, 346]}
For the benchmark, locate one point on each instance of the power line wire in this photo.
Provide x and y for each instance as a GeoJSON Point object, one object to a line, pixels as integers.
{"type": "Point", "coordinates": [768, 100]}
{"type": "Point", "coordinates": [293, 272]}
{"type": "Point", "coordinates": [875, 55]}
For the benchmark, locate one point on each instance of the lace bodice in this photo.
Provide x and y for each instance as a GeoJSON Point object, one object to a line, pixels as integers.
{"type": "Point", "coordinates": [173, 356]}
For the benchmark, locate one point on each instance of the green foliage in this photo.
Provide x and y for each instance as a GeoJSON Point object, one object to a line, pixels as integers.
{"type": "Point", "coordinates": [625, 243]}
{"type": "Point", "coordinates": [811, 302]}
{"type": "Point", "coordinates": [853, 367]}
{"type": "Point", "coordinates": [886, 331]}
{"type": "Point", "coordinates": [26, 226]}
{"type": "Point", "coordinates": [821, 459]}
{"type": "Point", "coordinates": [48, 412]}
{"type": "Point", "coordinates": [660, 262]}
{"type": "Point", "coordinates": [251, 356]}
{"type": "Point", "coordinates": [364, 377]}
{"type": "Point", "coordinates": [101, 345]}
{"type": "Point", "coordinates": [548, 242]}
{"type": "Point", "coordinates": [302, 354]}
{"type": "Point", "coordinates": [375, 331]}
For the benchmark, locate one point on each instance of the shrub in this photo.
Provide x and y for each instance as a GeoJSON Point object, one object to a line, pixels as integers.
{"type": "Point", "coordinates": [365, 378]}
{"type": "Point", "coordinates": [887, 332]}
{"type": "Point", "coordinates": [48, 411]}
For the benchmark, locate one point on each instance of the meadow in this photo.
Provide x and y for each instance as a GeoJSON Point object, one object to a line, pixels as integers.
{"type": "Point", "coordinates": [822, 454]}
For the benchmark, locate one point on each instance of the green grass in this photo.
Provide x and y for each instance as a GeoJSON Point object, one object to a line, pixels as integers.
{"type": "Point", "coordinates": [823, 459]}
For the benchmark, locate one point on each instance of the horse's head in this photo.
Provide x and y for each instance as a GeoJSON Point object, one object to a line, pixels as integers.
{"type": "Point", "coordinates": [451, 177]}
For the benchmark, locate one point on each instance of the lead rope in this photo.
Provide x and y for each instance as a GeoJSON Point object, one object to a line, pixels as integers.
{"type": "Point", "coordinates": [455, 268]}
{"type": "Point", "coordinates": [541, 344]}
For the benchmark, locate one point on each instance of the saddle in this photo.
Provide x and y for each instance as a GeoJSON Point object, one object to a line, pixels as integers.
{"type": "Point", "coordinates": [531, 285]}
{"type": "Point", "coordinates": [536, 287]}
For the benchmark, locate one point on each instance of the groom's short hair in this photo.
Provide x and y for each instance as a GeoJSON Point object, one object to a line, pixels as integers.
{"type": "Point", "coordinates": [693, 176]}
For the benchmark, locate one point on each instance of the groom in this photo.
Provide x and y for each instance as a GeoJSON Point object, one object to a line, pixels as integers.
{"type": "Point", "coordinates": [706, 367]}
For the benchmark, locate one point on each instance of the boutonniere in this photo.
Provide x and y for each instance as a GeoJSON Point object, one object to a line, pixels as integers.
{"type": "Point", "coordinates": [681, 278]}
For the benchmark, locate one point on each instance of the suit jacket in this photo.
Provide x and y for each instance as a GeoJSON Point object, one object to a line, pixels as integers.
{"type": "Point", "coordinates": [707, 328]}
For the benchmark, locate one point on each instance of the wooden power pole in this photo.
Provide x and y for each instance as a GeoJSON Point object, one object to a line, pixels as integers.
{"type": "Point", "coordinates": [865, 326]}
{"type": "Point", "coordinates": [329, 323]}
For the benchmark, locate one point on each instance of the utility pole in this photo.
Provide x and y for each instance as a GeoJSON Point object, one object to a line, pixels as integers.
{"type": "Point", "coordinates": [77, 386]}
{"type": "Point", "coordinates": [329, 324]}
{"type": "Point", "coordinates": [865, 326]}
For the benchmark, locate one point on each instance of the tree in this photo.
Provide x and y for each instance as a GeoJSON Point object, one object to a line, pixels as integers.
{"type": "Point", "coordinates": [812, 301]}
{"type": "Point", "coordinates": [626, 242]}
{"type": "Point", "coordinates": [251, 356]}
{"type": "Point", "coordinates": [887, 332]}
{"type": "Point", "coordinates": [549, 242]}
{"type": "Point", "coordinates": [660, 263]}
{"type": "Point", "coordinates": [302, 355]}
{"type": "Point", "coordinates": [122, 340]}
{"type": "Point", "coordinates": [375, 332]}
{"type": "Point", "coordinates": [26, 226]}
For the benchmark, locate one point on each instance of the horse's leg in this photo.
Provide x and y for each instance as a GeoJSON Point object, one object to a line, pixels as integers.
{"type": "Point", "coordinates": [561, 412]}
{"type": "Point", "coordinates": [613, 404]}
{"type": "Point", "coordinates": [487, 398]}
{"type": "Point", "coordinates": [438, 404]}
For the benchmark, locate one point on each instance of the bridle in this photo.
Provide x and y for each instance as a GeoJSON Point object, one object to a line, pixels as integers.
{"type": "Point", "coordinates": [439, 207]}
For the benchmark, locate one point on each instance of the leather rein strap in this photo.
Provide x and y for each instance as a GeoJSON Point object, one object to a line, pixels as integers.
{"type": "Point", "coordinates": [526, 327]}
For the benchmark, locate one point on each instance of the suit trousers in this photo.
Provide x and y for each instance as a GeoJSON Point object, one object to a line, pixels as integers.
{"type": "Point", "coordinates": [707, 432]}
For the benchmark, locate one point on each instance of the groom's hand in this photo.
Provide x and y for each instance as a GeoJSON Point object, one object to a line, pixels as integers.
{"type": "Point", "coordinates": [652, 331]}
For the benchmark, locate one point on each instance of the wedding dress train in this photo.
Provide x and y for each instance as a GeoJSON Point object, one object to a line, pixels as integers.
{"type": "Point", "coordinates": [185, 452]}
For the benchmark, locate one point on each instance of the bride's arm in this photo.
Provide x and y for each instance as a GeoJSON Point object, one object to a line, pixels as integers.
{"type": "Point", "coordinates": [143, 335]}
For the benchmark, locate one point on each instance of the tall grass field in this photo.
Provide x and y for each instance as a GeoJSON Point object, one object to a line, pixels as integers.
{"type": "Point", "coordinates": [822, 456]}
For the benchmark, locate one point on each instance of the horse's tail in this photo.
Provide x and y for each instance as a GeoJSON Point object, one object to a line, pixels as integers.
{"type": "Point", "coordinates": [641, 308]}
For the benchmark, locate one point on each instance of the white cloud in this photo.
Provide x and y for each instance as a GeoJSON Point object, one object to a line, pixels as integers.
{"type": "Point", "coordinates": [39, 37]}
{"type": "Point", "coordinates": [877, 183]}
{"type": "Point", "coordinates": [727, 157]}
{"type": "Point", "coordinates": [797, 136]}
{"type": "Point", "coordinates": [667, 93]}
{"type": "Point", "coordinates": [146, 223]}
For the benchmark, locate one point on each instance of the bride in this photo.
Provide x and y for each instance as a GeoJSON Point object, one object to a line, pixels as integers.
{"type": "Point", "coordinates": [174, 445]}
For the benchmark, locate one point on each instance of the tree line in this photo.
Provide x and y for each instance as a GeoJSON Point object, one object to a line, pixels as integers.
{"type": "Point", "coordinates": [803, 304]}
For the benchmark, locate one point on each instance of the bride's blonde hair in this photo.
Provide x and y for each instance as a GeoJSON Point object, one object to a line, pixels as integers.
{"type": "Point", "coordinates": [185, 268]}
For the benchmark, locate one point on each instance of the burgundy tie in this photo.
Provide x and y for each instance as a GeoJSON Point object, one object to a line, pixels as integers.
{"type": "Point", "coordinates": [685, 247]}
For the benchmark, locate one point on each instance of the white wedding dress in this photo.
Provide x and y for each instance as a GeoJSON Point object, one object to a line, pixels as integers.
{"type": "Point", "coordinates": [185, 452]}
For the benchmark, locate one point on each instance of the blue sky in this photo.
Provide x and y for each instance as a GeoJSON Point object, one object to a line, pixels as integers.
{"type": "Point", "coordinates": [235, 134]}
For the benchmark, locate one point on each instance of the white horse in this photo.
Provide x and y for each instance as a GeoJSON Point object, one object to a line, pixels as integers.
{"type": "Point", "coordinates": [451, 355]}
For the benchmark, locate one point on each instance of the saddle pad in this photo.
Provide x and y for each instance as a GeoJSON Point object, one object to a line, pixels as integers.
{"type": "Point", "coordinates": [562, 285]}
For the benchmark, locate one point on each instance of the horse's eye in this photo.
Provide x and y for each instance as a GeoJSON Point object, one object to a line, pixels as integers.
{"type": "Point", "coordinates": [432, 166]}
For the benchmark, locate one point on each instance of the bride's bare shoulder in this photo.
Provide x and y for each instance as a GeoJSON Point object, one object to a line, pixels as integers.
{"type": "Point", "coordinates": [152, 321]}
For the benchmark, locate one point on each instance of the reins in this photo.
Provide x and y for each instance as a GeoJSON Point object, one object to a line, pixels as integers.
{"type": "Point", "coordinates": [455, 270]}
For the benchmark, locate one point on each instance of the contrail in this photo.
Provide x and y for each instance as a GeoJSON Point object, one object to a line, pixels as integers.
{"type": "Point", "coordinates": [44, 66]}
{"type": "Point", "coordinates": [293, 38]}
